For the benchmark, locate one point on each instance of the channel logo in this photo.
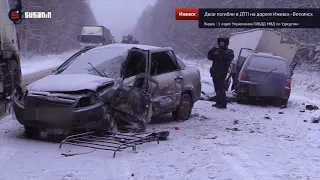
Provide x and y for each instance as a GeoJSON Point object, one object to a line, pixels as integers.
{"type": "Point", "coordinates": [15, 15]}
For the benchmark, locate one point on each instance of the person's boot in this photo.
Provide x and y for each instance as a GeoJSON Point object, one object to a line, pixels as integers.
{"type": "Point", "coordinates": [221, 106]}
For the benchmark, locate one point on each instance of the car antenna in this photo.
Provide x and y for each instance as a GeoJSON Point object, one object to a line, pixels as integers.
{"type": "Point", "coordinates": [104, 75]}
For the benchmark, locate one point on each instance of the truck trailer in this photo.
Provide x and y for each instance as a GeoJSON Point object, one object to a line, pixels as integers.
{"type": "Point", "coordinates": [10, 68]}
{"type": "Point", "coordinates": [93, 36]}
{"type": "Point", "coordinates": [262, 40]}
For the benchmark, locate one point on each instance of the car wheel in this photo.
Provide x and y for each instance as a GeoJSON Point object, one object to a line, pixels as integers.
{"type": "Point", "coordinates": [184, 108]}
{"type": "Point", "coordinates": [31, 132]}
{"type": "Point", "coordinates": [15, 78]}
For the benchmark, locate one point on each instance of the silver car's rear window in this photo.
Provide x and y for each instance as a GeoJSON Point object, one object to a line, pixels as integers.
{"type": "Point", "coordinates": [268, 64]}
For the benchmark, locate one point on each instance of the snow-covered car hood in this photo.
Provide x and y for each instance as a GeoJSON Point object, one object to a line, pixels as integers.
{"type": "Point", "coordinates": [69, 82]}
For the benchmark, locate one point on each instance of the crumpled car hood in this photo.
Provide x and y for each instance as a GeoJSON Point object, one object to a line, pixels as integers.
{"type": "Point", "coordinates": [69, 82]}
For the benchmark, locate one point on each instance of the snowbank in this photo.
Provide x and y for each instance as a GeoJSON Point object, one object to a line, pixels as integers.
{"type": "Point", "coordinates": [39, 63]}
{"type": "Point", "coordinates": [307, 82]}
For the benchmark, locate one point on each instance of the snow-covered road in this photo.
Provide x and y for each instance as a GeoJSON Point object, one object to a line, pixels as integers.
{"type": "Point", "coordinates": [40, 63]}
{"type": "Point", "coordinates": [243, 142]}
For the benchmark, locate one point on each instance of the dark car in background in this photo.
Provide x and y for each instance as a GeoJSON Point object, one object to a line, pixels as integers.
{"type": "Point", "coordinates": [264, 76]}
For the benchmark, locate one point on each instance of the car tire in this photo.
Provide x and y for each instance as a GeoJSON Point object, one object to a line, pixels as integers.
{"type": "Point", "coordinates": [31, 132]}
{"type": "Point", "coordinates": [15, 78]}
{"type": "Point", "coordinates": [183, 111]}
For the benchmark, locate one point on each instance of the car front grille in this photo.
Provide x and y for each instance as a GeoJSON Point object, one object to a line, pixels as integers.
{"type": "Point", "coordinates": [48, 101]}
{"type": "Point", "coordinates": [50, 104]}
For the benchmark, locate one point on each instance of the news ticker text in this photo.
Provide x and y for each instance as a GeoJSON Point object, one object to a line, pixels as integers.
{"type": "Point", "coordinates": [251, 18]}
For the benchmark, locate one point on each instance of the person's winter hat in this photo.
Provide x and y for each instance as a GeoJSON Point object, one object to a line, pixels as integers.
{"type": "Point", "coordinates": [224, 39]}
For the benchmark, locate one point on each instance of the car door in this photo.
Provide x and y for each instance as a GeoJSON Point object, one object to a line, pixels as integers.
{"type": "Point", "coordinates": [132, 61]}
{"type": "Point", "coordinates": [165, 70]}
{"type": "Point", "coordinates": [139, 78]}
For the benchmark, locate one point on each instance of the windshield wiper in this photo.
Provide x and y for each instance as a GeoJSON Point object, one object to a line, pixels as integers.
{"type": "Point", "coordinates": [272, 70]}
{"type": "Point", "coordinates": [104, 74]}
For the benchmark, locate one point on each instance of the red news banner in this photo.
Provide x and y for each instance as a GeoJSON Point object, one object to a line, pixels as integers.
{"type": "Point", "coordinates": [251, 18]}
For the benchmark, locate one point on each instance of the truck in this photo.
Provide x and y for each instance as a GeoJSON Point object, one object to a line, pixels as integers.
{"type": "Point", "coordinates": [129, 39]}
{"type": "Point", "coordinates": [10, 67]}
{"type": "Point", "coordinates": [94, 36]}
{"type": "Point", "coordinates": [267, 41]}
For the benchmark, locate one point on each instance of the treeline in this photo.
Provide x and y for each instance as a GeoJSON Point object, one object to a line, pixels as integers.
{"type": "Point", "coordinates": [157, 26]}
{"type": "Point", "coordinates": [58, 34]}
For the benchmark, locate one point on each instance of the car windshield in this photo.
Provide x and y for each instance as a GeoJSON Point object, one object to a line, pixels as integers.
{"type": "Point", "coordinates": [268, 64]}
{"type": "Point", "coordinates": [91, 39]}
{"type": "Point", "coordinates": [107, 61]}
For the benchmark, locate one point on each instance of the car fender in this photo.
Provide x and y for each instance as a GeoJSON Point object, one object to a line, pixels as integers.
{"type": "Point", "coordinates": [194, 92]}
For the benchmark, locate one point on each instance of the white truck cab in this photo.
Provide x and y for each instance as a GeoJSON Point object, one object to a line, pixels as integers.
{"type": "Point", "coordinates": [8, 33]}
{"type": "Point", "coordinates": [91, 36]}
{"type": "Point", "coordinates": [94, 36]}
{"type": "Point", "coordinates": [10, 69]}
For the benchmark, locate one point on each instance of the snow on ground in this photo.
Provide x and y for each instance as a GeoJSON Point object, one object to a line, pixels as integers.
{"type": "Point", "coordinates": [39, 63]}
{"type": "Point", "coordinates": [243, 142]}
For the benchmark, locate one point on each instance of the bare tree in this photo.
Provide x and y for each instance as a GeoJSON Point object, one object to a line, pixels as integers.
{"type": "Point", "coordinates": [58, 34]}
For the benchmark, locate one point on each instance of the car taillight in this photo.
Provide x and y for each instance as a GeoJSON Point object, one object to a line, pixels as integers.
{"type": "Point", "coordinates": [198, 70]}
{"type": "Point", "coordinates": [244, 77]}
{"type": "Point", "coordinates": [288, 83]}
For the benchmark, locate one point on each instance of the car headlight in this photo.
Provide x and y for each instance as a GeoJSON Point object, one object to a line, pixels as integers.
{"type": "Point", "coordinates": [87, 101]}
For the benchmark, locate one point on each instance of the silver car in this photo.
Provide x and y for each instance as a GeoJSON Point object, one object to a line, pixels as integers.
{"type": "Point", "coordinates": [103, 83]}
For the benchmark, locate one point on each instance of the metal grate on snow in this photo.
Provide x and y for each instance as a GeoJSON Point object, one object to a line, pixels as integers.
{"type": "Point", "coordinates": [112, 141]}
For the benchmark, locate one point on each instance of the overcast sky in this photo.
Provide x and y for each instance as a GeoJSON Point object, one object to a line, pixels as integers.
{"type": "Point", "coordinates": [120, 16]}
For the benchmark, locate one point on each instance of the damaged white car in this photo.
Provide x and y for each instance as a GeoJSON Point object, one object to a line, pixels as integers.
{"type": "Point", "coordinates": [117, 87]}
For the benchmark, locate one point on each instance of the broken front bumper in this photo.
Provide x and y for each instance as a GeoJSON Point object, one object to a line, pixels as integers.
{"type": "Point", "coordinates": [43, 114]}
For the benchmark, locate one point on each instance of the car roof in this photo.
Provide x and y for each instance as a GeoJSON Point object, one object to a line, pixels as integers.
{"type": "Point", "coordinates": [140, 46]}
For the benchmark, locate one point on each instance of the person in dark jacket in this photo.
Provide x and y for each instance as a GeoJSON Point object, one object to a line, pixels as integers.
{"type": "Point", "coordinates": [222, 58]}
